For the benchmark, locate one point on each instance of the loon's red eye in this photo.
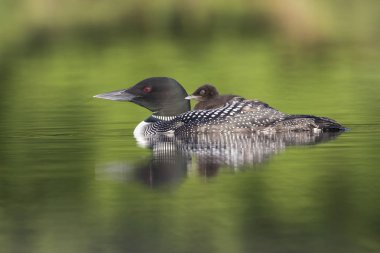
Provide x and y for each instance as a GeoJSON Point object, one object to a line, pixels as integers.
{"type": "Point", "coordinates": [147, 89]}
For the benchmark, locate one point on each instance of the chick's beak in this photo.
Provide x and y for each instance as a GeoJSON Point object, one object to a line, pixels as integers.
{"type": "Point", "coordinates": [193, 97]}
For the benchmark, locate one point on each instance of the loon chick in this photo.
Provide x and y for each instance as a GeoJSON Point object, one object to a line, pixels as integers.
{"type": "Point", "coordinates": [209, 98]}
{"type": "Point", "coordinates": [165, 98]}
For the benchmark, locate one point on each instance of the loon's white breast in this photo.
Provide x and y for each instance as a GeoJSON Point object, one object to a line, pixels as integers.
{"type": "Point", "coordinates": [139, 133]}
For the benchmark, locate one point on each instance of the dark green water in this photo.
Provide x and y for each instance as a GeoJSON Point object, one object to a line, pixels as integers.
{"type": "Point", "coordinates": [72, 178]}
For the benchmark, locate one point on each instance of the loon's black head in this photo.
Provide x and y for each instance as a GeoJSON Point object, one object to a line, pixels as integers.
{"type": "Point", "coordinates": [162, 95]}
{"type": "Point", "coordinates": [204, 93]}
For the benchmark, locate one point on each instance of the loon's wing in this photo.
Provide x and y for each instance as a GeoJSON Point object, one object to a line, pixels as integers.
{"type": "Point", "coordinates": [238, 115]}
{"type": "Point", "coordinates": [259, 113]}
{"type": "Point", "coordinates": [272, 119]}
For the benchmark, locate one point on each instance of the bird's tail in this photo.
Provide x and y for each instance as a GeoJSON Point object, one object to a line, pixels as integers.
{"type": "Point", "coordinates": [323, 123]}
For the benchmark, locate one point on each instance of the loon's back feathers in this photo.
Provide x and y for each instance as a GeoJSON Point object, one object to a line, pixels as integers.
{"type": "Point", "coordinates": [242, 116]}
{"type": "Point", "coordinates": [165, 97]}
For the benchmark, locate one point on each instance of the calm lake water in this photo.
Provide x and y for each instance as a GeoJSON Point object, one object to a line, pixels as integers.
{"type": "Point", "coordinates": [73, 178]}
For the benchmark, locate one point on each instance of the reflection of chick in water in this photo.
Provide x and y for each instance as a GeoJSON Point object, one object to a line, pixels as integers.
{"type": "Point", "coordinates": [162, 170]}
{"type": "Point", "coordinates": [208, 167]}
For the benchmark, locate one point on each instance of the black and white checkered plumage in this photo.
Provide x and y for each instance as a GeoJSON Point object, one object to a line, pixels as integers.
{"type": "Point", "coordinates": [239, 116]}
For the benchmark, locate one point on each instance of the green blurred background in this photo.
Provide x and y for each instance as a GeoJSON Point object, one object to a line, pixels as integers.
{"type": "Point", "coordinates": [270, 50]}
{"type": "Point", "coordinates": [297, 22]}
{"type": "Point", "coordinates": [307, 57]}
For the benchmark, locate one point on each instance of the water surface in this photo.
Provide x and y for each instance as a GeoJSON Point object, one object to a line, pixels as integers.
{"type": "Point", "coordinates": [73, 178]}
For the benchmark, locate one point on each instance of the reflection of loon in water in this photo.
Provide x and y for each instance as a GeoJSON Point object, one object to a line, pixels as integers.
{"type": "Point", "coordinates": [170, 155]}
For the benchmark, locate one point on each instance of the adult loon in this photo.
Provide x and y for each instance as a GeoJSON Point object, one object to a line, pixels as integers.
{"type": "Point", "coordinates": [165, 97]}
{"type": "Point", "coordinates": [208, 98]}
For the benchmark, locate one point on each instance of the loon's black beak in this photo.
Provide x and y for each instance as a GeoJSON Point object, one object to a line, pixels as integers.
{"type": "Point", "coordinates": [193, 97]}
{"type": "Point", "coordinates": [117, 95]}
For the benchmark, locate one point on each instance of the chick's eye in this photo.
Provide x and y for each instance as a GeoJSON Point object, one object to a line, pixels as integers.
{"type": "Point", "coordinates": [202, 92]}
{"type": "Point", "coordinates": [147, 89]}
